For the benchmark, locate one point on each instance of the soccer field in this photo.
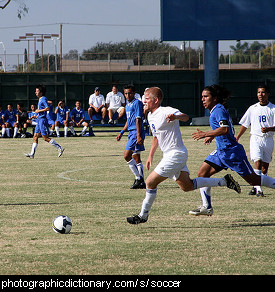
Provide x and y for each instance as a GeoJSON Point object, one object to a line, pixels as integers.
{"type": "Point", "coordinates": [91, 182]}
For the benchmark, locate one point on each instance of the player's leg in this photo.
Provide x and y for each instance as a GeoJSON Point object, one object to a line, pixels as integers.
{"type": "Point", "coordinates": [65, 124]}
{"type": "Point", "coordinates": [57, 128]}
{"type": "Point", "coordinates": [85, 127]}
{"type": "Point", "coordinates": [35, 142]}
{"type": "Point", "coordinates": [153, 180]}
{"type": "Point", "coordinates": [103, 113]}
{"type": "Point", "coordinates": [206, 170]}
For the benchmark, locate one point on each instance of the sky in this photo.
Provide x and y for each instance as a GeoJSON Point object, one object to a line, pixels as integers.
{"type": "Point", "coordinates": [84, 24]}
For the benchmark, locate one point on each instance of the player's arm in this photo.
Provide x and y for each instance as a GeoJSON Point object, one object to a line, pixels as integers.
{"type": "Point", "coordinates": [241, 131]}
{"type": "Point", "coordinates": [153, 149]}
{"type": "Point", "coordinates": [181, 116]}
{"type": "Point", "coordinates": [118, 137]}
{"type": "Point", "coordinates": [223, 130]}
{"type": "Point", "coordinates": [138, 125]}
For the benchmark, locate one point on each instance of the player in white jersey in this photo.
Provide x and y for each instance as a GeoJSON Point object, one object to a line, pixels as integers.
{"type": "Point", "coordinates": [261, 119]}
{"type": "Point", "coordinates": [164, 124]}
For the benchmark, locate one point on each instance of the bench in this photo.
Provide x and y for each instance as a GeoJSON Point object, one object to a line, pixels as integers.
{"type": "Point", "coordinates": [97, 123]}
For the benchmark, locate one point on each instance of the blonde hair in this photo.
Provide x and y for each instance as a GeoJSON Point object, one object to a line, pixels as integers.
{"type": "Point", "coordinates": [155, 92]}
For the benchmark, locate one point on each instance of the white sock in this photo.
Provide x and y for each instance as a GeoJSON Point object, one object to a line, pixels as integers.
{"type": "Point", "coordinates": [133, 166]}
{"type": "Point", "coordinates": [3, 131]}
{"type": "Point", "coordinates": [57, 131]}
{"type": "Point", "coordinates": [147, 202]}
{"type": "Point", "coordinates": [201, 182]}
{"type": "Point", "coordinates": [140, 169]}
{"type": "Point", "coordinates": [72, 130]}
{"type": "Point", "coordinates": [267, 181]}
{"type": "Point", "coordinates": [206, 197]}
{"type": "Point", "coordinates": [65, 131]}
{"type": "Point", "coordinates": [55, 144]}
{"type": "Point", "coordinates": [15, 132]}
{"type": "Point", "coordinates": [258, 172]}
{"type": "Point", "coordinates": [84, 130]}
{"type": "Point", "coordinates": [8, 132]}
{"type": "Point", "coordinates": [34, 146]}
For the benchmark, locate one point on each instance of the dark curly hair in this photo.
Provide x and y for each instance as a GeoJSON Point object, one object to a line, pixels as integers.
{"type": "Point", "coordinates": [221, 93]}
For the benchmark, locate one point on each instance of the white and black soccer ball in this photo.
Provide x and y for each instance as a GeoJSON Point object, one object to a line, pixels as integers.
{"type": "Point", "coordinates": [62, 224]}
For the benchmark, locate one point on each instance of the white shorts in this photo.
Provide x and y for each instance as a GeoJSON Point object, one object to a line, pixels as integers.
{"type": "Point", "coordinates": [171, 165]}
{"type": "Point", "coordinates": [116, 109]}
{"type": "Point", "coordinates": [261, 148]}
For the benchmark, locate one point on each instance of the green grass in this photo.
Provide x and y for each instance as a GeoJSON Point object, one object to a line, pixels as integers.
{"type": "Point", "coordinates": [90, 183]}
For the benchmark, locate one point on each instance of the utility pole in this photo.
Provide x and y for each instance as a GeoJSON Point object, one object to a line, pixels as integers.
{"type": "Point", "coordinates": [60, 47]}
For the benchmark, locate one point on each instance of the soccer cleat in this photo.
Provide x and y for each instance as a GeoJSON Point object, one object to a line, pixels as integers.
{"type": "Point", "coordinates": [202, 211]}
{"type": "Point", "coordinates": [260, 194]}
{"type": "Point", "coordinates": [136, 219]}
{"type": "Point", "coordinates": [29, 155]}
{"type": "Point", "coordinates": [232, 184]}
{"type": "Point", "coordinates": [139, 184]}
{"type": "Point", "coordinates": [252, 192]}
{"type": "Point", "coordinates": [60, 151]}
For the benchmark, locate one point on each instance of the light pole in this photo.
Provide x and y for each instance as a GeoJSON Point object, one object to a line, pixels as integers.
{"type": "Point", "coordinates": [34, 37]}
{"type": "Point", "coordinates": [4, 55]}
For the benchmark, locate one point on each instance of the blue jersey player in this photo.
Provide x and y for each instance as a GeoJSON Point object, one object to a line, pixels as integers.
{"type": "Point", "coordinates": [136, 136]}
{"type": "Point", "coordinates": [62, 118]}
{"type": "Point", "coordinates": [229, 153]}
{"type": "Point", "coordinates": [42, 127]}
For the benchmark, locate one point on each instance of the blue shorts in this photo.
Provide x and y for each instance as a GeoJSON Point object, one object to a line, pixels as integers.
{"type": "Point", "coordinates": [233, 158]}
{"type": "Point", "coordinates": [132, 143]}
{"type": "Point", "coordinates": [42, 127]}
{"type": "Point", "coordinates": [61, 122]}
{"type": "Point", "coordinates": [11, 122]}
{"type": "Point", "coordinates": [50, 122]}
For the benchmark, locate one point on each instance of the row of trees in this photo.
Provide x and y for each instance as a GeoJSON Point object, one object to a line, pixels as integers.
{"type": "Point", "coordinates": [152, 52]}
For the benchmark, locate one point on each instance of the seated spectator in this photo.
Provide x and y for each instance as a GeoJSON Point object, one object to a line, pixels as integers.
{"type": "Point", "coordinates": [78, 119]}
{"type": "Point", "coordinates": [22, 117]}
{"type": "Point", "coordinates": [97, 105]}
{"type": "Point", "coordinates": [115, 102]}
{"type": "Point", "coordinates": [33, 116]}
{"type": "Point", "coordinates": [51, 117]}
{"type": "Point", "coordinates": [2, 123]}
{"type": "Point", "coordinates": [62, 118]}
{"type": "Point", "coordinates": [10, 120]}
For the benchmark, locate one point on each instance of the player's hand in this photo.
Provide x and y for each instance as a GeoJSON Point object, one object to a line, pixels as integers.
{"type": "Point", "coordinates": [118, 137]}
{"type": "Point", "coordinates": [198, 135]}
{"type": "Point", "coordinates": [149, 163]}
{"type": "Point", "coordinates": [170, 118]}
{"type": "Point", "coordinates": [264, 130]}
{"type": "Point", "coordinates": [208, 140]}
{"type": "Point", "coordinates": [140, 140]}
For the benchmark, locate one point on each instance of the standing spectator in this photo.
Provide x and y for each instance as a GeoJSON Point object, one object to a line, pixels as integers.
{"type": "Point", "coordinates": [62, 118]}
{"type": "Point", "coordinates": [78, 119]}
{"type": "Point", "coordinates": [261, 117]}
{"type": "Point", "coordinates": [97, 105]}
{"type": "Point", "coordinates": [115, 102]}
{"type": "Point", "coordinates": [10, 120]}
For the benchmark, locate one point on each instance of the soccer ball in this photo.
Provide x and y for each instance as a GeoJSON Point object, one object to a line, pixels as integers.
{"type": "Point", "coordinates": [62, 224]}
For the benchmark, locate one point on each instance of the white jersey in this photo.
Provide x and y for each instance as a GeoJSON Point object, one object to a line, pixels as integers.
{"type": "Point", "coordinates": [96, 100]}
{"type": "Point", "coordinates": [259, 116]}
{"type": "Point", "coordinates": [115, 100]}
{"type": "Point", "coordinates": [168, 134]}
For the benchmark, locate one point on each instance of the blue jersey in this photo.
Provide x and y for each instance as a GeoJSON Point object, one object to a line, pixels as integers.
{"type": "Point", "coordinates": [51, 116]}
{"type": "Point", "coordinates": [42, 104]}
{"type": "Point", "coordinates": [61, 113]}
{"type": "Point", "coordinates": [31, 114]}
{"type": "Point", "coordinates": [77, 114]}
{"type": "Point", "coordinates": [10, 116]}
{"type": "Point", "coordinates": [219, 117]}
{"type": "Point", "coordinates": [134, 110]}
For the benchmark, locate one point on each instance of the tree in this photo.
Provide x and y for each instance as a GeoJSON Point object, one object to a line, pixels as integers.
{"type": "Point", "coordinates": [21, 11]}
